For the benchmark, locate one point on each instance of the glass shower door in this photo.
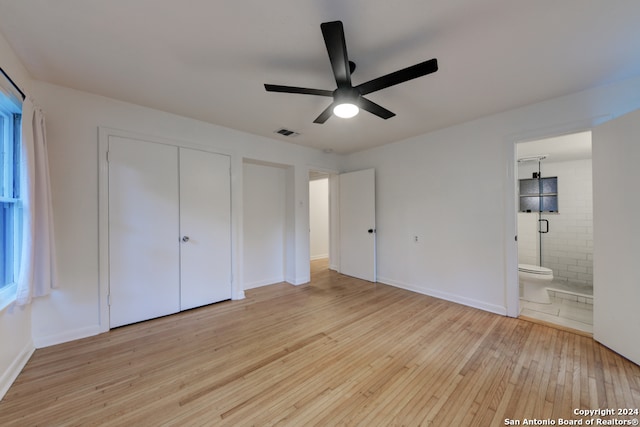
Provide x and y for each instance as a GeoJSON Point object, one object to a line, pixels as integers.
{"type": "Point", "coordinates": [547, 214]}
{"type": "Point", "coordinates": [540, 196]}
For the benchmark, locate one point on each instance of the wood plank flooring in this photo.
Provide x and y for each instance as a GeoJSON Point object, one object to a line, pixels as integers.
{"type": "Point", "coordinates": [338, 351]}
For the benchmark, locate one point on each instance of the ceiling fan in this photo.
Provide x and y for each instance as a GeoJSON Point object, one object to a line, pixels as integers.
{"type": "Point", "coordinates": [348, 99]}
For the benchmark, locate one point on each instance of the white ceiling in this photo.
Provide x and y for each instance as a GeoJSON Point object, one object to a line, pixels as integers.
{"type": "Point", "coordinates": [209, 59]}
{"type": "Point", "coordinates": [575, 146]}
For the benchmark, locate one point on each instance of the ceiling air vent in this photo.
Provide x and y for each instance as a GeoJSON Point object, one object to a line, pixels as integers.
{"type": "Point", "coordinates": [287, 132]}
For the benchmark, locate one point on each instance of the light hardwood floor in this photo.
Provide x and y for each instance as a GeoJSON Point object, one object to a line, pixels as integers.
{"type": "Point", "coordinates": [338, 351]}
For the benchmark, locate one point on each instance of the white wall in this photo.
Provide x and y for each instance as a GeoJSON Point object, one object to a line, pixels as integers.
{"type": "Point", "coordinates": [15, 325]}
{"type": "Point", "coordinates": [17, 345]}
{"type": "Point", "coordinates": [73, 119]}
{"type": "Point", "coordinates": [455, 189]}
{"type": "Point", "coordinates": [319, 217]}
{"type": "Point", "coordinates": [264, 224]}
{"type": "Point", "coordinates": [568, 247]}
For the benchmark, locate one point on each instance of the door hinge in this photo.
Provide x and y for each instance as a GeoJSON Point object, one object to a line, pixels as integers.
{"type": "Point", "coordinates": [108, 156]}
{"type": "Point", "coordinates": [109, 299]}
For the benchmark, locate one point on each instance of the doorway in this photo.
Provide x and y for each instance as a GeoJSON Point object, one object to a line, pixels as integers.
{"type": "Point", "coordinates": [319, 221]}
{"type": "Point", "coordinates": [266, 225]}
{"type": "Point", "coordinates": [319, 216]}
{"type": "Point", "coordinates": [351, 222]}
{"type": "Point", "coordinates": [555, 229]}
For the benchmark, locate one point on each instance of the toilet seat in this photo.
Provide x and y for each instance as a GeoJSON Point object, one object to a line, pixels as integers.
{"type": "Point", "coordinates": [535, 269]}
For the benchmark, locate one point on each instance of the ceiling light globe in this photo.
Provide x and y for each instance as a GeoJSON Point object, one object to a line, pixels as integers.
{"type": "Point", "coordinates": [346, 110]}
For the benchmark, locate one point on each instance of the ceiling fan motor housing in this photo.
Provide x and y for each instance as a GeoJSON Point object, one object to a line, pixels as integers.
{"type": "Point", "coordinates": [349, 95]}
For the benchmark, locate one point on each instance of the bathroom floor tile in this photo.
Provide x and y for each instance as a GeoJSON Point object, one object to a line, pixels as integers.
{"type": "Point", "coordinates": [550, 309]}
{"type": "Point", "coordinates": [580, 312]}
{"type": "Point", "coordinates": [563, 312]}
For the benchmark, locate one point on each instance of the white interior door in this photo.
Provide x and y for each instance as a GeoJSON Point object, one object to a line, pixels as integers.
{"type": "Point", "coordinates": [358, 224]}
{"type": "Point", "coordinates": [205, 228]}
{"type": "Point", "coordinates": [143, 230]}
{"type": "Point", "coordinates": [616, 233]}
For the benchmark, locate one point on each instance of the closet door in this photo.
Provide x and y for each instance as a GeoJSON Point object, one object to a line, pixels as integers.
{"type": "Point", "coordinates": [144, 271]}
{"type": "Point", "coordinates": [205, 228]}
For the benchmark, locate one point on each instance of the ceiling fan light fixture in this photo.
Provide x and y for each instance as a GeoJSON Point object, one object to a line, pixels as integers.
{"type": "Point", "coordinates": [346, 110]}
{"type": "Point", "coordinates": [349, 99]}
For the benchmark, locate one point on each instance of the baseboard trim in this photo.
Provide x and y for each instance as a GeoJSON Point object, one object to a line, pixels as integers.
{"type": "Point", "coordinates": [12, 372]}
{"type": "Point", "coordinates": [300, 281]}
{"type": "Point", "coordinates": [492, 308]}
{"type": "Point", "coordinates": [264, 282]}
{"type": "Point", "coordinates": [49, 340]}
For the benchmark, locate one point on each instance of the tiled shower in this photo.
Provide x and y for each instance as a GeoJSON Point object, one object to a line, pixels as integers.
{"type": "Point", "coordinates": [567, 248]}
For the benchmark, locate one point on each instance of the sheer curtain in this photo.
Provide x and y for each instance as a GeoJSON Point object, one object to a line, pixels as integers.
{"type": "Point", "coordinates": [37, 264]}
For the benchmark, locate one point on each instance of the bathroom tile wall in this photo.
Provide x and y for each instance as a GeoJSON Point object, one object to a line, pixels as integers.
{"type": "Point", "coordinates": [568, 247]}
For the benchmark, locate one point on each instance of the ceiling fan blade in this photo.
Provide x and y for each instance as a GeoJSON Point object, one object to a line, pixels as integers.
{"type": "Point", "coordinates": [374, 108]}
{"type": "Point", "coordinates": [333, 34]}
{"type": "Point", "coordinates": [400, 76]}
{"type": "Point", "coordinates": [324, 116]}
{"type": "Point", "coordinates": [293, 89]}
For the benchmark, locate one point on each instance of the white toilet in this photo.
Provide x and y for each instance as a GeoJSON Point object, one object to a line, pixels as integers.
{"type": "Point", "coordinates": [534, 280]}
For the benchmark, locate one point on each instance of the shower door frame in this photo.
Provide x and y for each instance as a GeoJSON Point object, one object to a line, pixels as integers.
{"type": "Point", "coordinates": [540, 196]}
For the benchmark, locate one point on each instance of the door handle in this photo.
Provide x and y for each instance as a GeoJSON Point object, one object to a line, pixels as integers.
{"type": "Point", "coordinates": [371, 230]}
{"type": "Point", "coordinates": [546, 223]}
{"type": "Point", "coordinates": [185, 239]}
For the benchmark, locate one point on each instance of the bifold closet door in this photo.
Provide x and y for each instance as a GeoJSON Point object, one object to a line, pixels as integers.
{"type": "Point", "coordinates": [205, 228]}
{"type": "Point", "coordinates": [144, 270]}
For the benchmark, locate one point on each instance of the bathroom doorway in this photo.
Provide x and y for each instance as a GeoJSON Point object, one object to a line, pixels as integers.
{"type": "Point", "coordinates": [555, 228]}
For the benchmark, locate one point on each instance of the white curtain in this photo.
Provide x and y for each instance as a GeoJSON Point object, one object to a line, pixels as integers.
{"type": "Point", "coordinates": [37, 264]}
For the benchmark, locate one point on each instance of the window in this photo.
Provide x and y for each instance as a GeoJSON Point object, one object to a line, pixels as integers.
{"type": "Point", "coordinates": [539, 194]}
{"type": "Point", "coordinates": [10, 205]}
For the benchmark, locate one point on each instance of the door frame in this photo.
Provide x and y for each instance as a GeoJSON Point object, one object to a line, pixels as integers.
{"type": "Point", "coordinates": [103, 213]}
{"type": "Point", "coordinates": [288, 220]}
{"type": "Point", "coordinates": [334, 215]}
{"type": "Point", "coordinates": [512, 288]}
{"type": "Point", "coordinates": [334, 223]}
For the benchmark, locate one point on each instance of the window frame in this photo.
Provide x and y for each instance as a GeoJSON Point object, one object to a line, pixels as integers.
{"type": "Point", "coordinates": [11, 162]}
